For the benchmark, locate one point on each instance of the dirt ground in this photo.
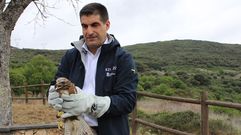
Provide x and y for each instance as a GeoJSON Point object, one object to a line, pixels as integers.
{"type": "Point", "coordinates": [151, 105]}
{"type": "Point", "coordinates": [34, 112]}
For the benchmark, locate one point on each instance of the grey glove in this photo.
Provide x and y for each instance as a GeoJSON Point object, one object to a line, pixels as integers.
{"type": "Point", "coordinates": [54, 99]}
{"type": "Point", "coordinates": [76, 104]}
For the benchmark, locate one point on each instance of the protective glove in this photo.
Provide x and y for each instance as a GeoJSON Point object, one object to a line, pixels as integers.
{"type": "Point", "coordinates": [54, 99]}
{"type": "Point", "coordinates": [76, 104]}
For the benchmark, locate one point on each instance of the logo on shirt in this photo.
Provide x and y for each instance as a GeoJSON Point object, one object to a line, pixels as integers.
{"type": "Point", "coordinates": [133, 70]}
{"type": "Point", "coordinates": [110, 71]}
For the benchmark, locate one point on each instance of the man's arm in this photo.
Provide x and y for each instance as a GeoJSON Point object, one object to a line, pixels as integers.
{"type": "Point", "coordinates": [123, 99]}
{"type": "Point", "coordinates": [63, 71]}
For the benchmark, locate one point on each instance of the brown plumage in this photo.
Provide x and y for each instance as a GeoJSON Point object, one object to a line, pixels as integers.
{"type": "Point", "coordinates": [65, 86]}
{"type": "Point", "coordinates": [72, 125]}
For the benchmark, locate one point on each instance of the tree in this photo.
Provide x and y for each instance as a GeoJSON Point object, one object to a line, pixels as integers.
{"type": "Point", "coordinates": [38, 69]}
{"type": "Point", "coordinates": [17, 79]}
{"type": "Point", "coordinates": [10, 11]}
{"type": "Point", "coordinates": [200, 79]}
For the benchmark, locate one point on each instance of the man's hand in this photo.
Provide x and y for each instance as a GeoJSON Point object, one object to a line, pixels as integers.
{"type": "Point", "coordinates": [76, 104]}
{"type": "Point", "coordinates": [54, 99]}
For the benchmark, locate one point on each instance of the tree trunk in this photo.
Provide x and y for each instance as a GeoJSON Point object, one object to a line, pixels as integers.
{"type": "Point", "coordinates": [8, 19]}
{"type": "Point", "coordinates": [5, 91]}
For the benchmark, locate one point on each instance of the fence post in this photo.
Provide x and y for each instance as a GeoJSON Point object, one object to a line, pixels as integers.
{"type": "Point", "coordinates": [26, 92]}
{"type": "Point", "coordinates": [43, 91]}
{"type": "Point", "coordinates": [204, 114]}
{"type": "Point", "coordinates": [133, 121]}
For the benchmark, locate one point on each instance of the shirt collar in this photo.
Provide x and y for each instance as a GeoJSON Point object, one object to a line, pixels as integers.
{"type": "Point", "coordinates": [79, 44]}
{"type": "Point", "coordinates": [85, 48]}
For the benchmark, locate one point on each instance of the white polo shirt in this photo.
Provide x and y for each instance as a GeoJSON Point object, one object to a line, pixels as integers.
{"type": "Point", "coordinates": [90, 63]}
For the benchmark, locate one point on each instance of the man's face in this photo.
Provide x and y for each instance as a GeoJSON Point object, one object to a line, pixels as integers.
{"type": "Point", "coordinates": [94, 31]}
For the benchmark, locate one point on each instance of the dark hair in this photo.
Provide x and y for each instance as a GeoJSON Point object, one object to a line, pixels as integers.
{"type": "Point", "coordinates": [95, 9]}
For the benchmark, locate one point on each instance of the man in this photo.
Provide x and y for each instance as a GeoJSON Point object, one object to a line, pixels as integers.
{"type": "Point", "coordinates": [103, 71]}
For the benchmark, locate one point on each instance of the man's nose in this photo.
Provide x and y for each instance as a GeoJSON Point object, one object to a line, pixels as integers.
{"type": "Point", "coordinates": [89, 31]}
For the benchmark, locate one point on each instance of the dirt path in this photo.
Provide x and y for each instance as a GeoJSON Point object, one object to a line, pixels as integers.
{"type": "Point", "coordinates": [34, 113]}
{"type": "Point", "coordinates": [150, 105]}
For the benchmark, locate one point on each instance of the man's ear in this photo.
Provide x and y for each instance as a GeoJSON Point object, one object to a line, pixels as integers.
{"type": "Point", "coordinates": [107, 24]}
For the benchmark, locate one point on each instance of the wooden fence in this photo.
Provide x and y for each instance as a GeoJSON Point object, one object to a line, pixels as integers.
{"type": "Point", "coordinates": [203, 102]}
{"type": "Point", "coordinates": [26, 87]}
{"type": "Point", "coordinates": [15, 128]}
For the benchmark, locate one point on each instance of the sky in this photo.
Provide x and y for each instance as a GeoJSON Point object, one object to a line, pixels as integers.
{"type": "Point", "coordinates": [133, 22]}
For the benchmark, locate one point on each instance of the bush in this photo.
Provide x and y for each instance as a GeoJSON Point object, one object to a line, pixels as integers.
{"type": "Point", "coordinates": [219, 127]}
{"type": "Point", "coordinates": [183, 75]}
{"type": "Point", "coordinates": [200, 80]}
{"type": "Point", "coordinates": [223, 110]}
{"type": "Point", "coordinates": [38, 69]}
{"type": "Point", "coordinates": [163, 89]}
{"type": "Point", "coordinates": [185, 121]}
{"type": "Point", "coordinates": [17, 79]}
{"type": "Point", "coordinates": [179, 84]}
{"type": "Point", "coordinates": [147, 82]}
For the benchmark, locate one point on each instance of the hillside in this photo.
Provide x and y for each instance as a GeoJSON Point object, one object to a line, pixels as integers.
{"type": "Point", "coordinates": [159, 55]}
{"type": "Point", "coordinates": [191, 53]}
{"type": "Point", "coordinates": [21, 56]}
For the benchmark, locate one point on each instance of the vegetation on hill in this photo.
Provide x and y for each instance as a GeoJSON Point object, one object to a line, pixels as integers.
{"type": "Point", "coordinates": [19, 57]}
{"type": "Point", "coordinates": [183, 53]}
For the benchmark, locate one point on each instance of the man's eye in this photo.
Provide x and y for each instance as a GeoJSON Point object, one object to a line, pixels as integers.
{"type": "Point", "coordinates": [84, 26]}
{"type": "Point", "coordinates": [95, 25]}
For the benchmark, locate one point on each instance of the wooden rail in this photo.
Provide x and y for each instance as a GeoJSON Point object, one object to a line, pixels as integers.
{"type": "Point", "coordinates": [203, 102]}
{"type": "Point", "coordinates": [27, 127]}
{"type": "Point", "coordinates": [135, 120]}
{"type": "Point", "coordinates": [26, 92]}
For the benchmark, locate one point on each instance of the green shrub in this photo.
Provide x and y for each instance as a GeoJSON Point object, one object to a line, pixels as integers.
{"type": "Point", "coordinates": [183, 75]}
{"type": "Point", "coordinates": [185, 121]}
{"type": "Point", "coordinates": [219, 127]}
{"type": "Point", "coordinates": [200, 79]}
{"type": "Point", "coordinates": [163, 89]}
{"type": "Point", "coordinates": [38, 69]}
{"type": "Point", "coordinates": [179, 84]}
{"type": "Point", "coordinates": [17, 79]}
{"type": "Point", "coordinates": [224, 110]}
{"type": "Point", "coordinates": [147, 81]}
